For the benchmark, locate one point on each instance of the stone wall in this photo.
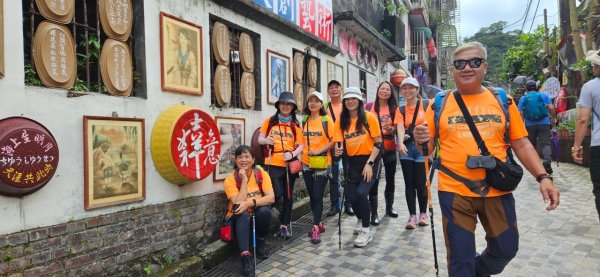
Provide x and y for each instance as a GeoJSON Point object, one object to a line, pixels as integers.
{"type": "Point", "coordinates": [126, 243]}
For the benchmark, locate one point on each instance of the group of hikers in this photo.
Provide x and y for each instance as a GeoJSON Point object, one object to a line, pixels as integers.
{"type": "Point", "coordinates": [472, 132]}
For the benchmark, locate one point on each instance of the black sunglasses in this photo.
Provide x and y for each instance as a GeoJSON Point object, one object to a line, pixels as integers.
{"type": "Point", "coordinates": [473, 63]}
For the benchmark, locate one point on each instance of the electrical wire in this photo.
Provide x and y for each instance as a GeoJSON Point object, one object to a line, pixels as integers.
{"type": "Point", "coordinates": [526, 14]}
{"type": "Point", "coordinates": [534, 14]}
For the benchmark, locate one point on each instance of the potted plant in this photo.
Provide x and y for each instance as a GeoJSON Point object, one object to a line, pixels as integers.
{"type": "Point", "coordinates": [566, 128]}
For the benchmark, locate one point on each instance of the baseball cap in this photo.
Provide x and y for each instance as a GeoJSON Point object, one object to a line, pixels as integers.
{"type": "Point", "coordinates": [593, 56]}
{"type": "Point", "coordinates": [333, 82]}
{"type": "Point", "coordinates": [352, 92]}
{"type": "Point", "coordinates": [410, 81]}
{"type": "Point", "coordinates": [531, 84]}
{"type": "Point", "coordinates": [316, 94]}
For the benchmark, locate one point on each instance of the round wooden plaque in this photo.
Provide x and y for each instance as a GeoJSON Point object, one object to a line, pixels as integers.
{"type": "Point", "coordinates": [360, 53]}
{"type": "Point", "coordinates": [298, 66]}
{"type": "Point", "coordinates": [246, 52]}
{"type": "Point", "coordinates": [222, 85]}
{"type": "Point", "coordinates": [247, 89]}
{"type": "Point", "coordinates": [54, 55]}
{"type": "Point", "coordinates": [116, 17]}
{"type": "Point", "coordinates": [59, 11]}
{"type": "Point", "coordinates": [116, 67]}
{"type": "Point", "coordinates": [299, 95]}
{"type": "Point", "coordinates": [220, 43]}
{"type": "Point", "coordinates": [313, 72]}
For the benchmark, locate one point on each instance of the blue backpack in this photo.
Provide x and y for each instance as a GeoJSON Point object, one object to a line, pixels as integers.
{"type": "Point", "coordinates": [534, 107]}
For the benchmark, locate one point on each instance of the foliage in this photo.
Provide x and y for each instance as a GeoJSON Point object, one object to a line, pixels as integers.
{"type": "Point", "coordinates": [497, 42]}
{"type": "Point", "coordinates": [31, 77]}
{"type": "Point", "coordinates": [7, 258]}
{"type": "Point", "coordinates": [568, 124]}
{"type": "Point", "coordinates": [149, 270]}
{"type": "Point", "coordinates": [521, 59]}
{"type": "Point", "coordinates": [390, 8]}
{"type": "Point", "coordinates": [386, 33]}
{"type": "Point", "coordinates": [584, 66]}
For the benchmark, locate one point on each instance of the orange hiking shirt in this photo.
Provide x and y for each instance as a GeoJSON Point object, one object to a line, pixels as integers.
{"type": "Point", "coordinates": [456, 140]}
{"type": "Point", "coordinates": [410, 113]}
{"type": "Point", "coordinates": [254, 192]}
{"type": "Point", "coordinates": [337, 110]}
{"type": "Point", "coordinates": [289, 144]}
{"type": "Point", "coordinates": [318, 139]}
{"type": "Point", "coordinates": [358, 142]}
{"type": "Point", "coordinates": [388, 127]}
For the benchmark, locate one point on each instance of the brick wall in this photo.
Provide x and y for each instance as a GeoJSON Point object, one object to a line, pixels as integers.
{"type": "Point", "coordinates": [118, 244]}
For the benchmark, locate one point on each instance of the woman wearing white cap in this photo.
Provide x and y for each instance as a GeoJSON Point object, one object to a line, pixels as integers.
{"type": "Point", "coordinates": [361, 137]}
{"type": "Point", "coordinates": [411, 160]}
{"type": "Point", "coordinates": [317, 129]}
{"type": "Point", "coordinates": [282, 133]}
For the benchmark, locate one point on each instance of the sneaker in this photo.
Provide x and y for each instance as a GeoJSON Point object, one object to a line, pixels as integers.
{"type": "Point", "coordinates": [423, 220]}
{"type": "Point", "coordinates": [411, 223]}
{"type": "Point", "coordinates": [321, 229]}
{"type": "Point", "coordinates": [315, 238]}
{"type": "Point", "coordinates": [364, 237]}
{"type": "Point", "coordinates": [262, 252]}
{"type": "Point", "coordinates": [333, 211]}
{"type": "Point", "coordinates": [284, 232]}
{"type": "Point", "coordinates": [247, 264]}
{"type": "Point", "coordinates": [358, 227]}
{"type": "Point", "coordinates": [548, 167]}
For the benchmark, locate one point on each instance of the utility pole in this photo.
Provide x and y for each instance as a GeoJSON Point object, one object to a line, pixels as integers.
{"type": "Point", "coordinates": [575, 29]}
{"type": "Point", "coordinates": [548, 53]}
{"type": "Point", "coordinates": [553, 52]}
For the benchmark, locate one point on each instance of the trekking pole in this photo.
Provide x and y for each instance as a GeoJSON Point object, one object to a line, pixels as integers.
{"type": "Point", "coordinates": [339, 144]}
{"type": "Point", "coordinates": [254, 237]}
{"type": "Point", "coordinates": [555, 145]}
{"type": "Point", "coordinates": [426, 155]}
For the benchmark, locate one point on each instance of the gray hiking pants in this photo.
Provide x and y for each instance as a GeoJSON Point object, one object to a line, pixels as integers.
{"type": "Point", "coordinates": [541, 134]}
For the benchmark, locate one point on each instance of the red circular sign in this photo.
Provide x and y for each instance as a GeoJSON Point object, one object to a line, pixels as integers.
{"type": "Point", "coordinates": [352, 48]}
{"type": "Point", "coordinates": [195, 144]}
{"type": "Point", "coordinates": [28, 156]}
{"type": "Point", "coordinates": [343, 42]}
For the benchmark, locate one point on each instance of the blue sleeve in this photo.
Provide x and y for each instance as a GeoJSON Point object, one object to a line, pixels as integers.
{"type": "Point", "coordinates": [521, 102]}
{"type": "Point", "coordinates": [547, 100]}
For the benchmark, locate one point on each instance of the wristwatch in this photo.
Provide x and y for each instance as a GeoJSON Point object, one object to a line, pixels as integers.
{"type": "Point", "coordinates": [544, 176]}
{"type": "Point", "coordinates": [371, 163]}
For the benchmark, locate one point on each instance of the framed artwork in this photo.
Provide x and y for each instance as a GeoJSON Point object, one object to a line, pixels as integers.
{"type": "Point", "coordinates": [335, 72]}
{"type": "Point", "coordinates": [278, 75]}
{"type": "Point", "coordinates": [233, 134]}
{"type": "Point", "coordinates": [113, 154]}
{"type": "Point", "coordinates": [180, 55]}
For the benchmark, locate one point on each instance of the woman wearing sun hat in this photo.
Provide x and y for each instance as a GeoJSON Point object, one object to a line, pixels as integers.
{"type": "Point", "coordinates": [358, 138]}
{"type": "Point", "coordinates": [317, 129]}
{"type": "Point", "coordinates": [283, 135]}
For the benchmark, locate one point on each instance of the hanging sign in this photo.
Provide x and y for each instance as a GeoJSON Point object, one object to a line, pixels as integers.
{"type": "Point", "coordinates": [28, 156]}
{"type": "Point", "coordinates": [551, 87]}
{"type": "Point", "coordinates": [343, 42]}
{"type": "Point", "coordinates": [352, 48]}
{"type": "Point", "coordinates": [185, 144]}
{"type": "Point", "coordinates": [116, 17]}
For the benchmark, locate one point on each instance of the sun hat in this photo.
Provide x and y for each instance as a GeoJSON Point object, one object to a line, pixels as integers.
{"type": "Point", "coordinates": [316, 94]}
{"type": "Point", "coordinates": [410, 81]}
{"type": "Point", "coordinates": [352, 92]}
{"type": "Point", "coordinates": [286, 97]}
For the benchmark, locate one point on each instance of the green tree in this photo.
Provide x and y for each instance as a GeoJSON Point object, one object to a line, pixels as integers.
{"type": "Point", "coordinates": [497, 43]}
{"type": "Point", "coordinates": [521, 58]}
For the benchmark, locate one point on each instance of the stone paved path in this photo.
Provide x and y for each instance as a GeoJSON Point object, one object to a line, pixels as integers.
{"type": "Point", "coordinates": [565, 242]}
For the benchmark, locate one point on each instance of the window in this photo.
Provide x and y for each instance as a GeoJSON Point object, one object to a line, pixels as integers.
{"type": "Point", "coordinates": [311, 75]}
{"type": "Point", "coordinates": [232, 64]}
{"type": "Point", "coordinates": [88, 37]}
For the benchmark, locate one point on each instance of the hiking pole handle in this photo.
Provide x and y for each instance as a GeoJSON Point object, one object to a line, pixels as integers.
{"type": "Point", "coordinates": [425, 147]}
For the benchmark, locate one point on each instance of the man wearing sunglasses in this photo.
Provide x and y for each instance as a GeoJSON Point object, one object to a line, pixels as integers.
{"type": "Point", "coordinates": [461, 207]}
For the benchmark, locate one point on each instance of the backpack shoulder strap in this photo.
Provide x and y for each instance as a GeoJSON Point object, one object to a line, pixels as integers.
{"type": "Point", "coordinates": [438, 107]}
{"type": "Point", "coordinates": [504, 102]}
{"type": "Point", "coordinates": [305, 118]}
{"type": "Point", "coordinates": [425, 104]}
{"type": "Point", "coordinates": [324, 123]}
{"type": "Point", "coordinates": [402, 110]}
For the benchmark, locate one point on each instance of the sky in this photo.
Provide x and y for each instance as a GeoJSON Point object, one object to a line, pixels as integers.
{"type": "Point", "coordinates": [475, 14]}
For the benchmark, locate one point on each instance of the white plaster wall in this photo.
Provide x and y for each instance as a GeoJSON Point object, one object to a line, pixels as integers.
{"type": "Point", "coordinates": [61, 200]}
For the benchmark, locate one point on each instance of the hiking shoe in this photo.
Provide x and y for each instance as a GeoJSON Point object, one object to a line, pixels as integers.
{"type": "Point", "coordinates": [548, 167]}
{"type": "Point", "coordinates": [247, 265]}
{"type": "Point", "coordinates": [423, 220]}
{"type": "Point", "coordinates": [411, 223]}
{"type": "Point", "coordinates": [321, 229]}
{"type": "Point", "coordinates": [315, 238]}
{"type": "Point", "coordinates": [358, 227]}
{"type": "Point", "coordinates": [333, 211]}
{"type": "Point", "coordinates": [364, 237]}
{"type": "Point", "coordinates": [348, 210]}
{"type": "Point", "coordinates": [284, 232]}
{"type": "Point", "coordinates": [262, 251]}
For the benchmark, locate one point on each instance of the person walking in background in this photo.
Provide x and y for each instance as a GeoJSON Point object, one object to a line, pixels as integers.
{"type": "Point", "coordinates": [589, 105]}
{"type": "Point", "coordinates": [463, 191]}
{"type": "Point", "coordinates": [334, 110]}
{"type": "Point", "coordinates": [360, 139]}
{"type": "Point", "coordinates": [537, 110]}
{"type": "Point", "coordinates": [283, 135]}
{"type": "Point", "coordinates": [386, 109]}
{"type": "Point", "coordinates": [316, 158]}
{"type": "Point", "coordinates": [249, 190]}
{"type": "Point", "coordinates": [411, 160]}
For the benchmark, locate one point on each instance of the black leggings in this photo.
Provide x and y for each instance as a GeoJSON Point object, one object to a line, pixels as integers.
{"type": "Point", "coordinates": [282, 190]}
{"type": "Point", "coordinates": [243, 226]}
{"type": "Point", "coordinates": [414, 182]}
{"type": "Point", "coordinates": [315, 184]}
{"type": "Point", "coordinates": [390, 175]}
{"type": "Point", "coordinates": [359, 189]}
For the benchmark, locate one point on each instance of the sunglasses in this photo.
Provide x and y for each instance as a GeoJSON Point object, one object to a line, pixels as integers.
{"type": "Point", "coordinates": [473, 63]}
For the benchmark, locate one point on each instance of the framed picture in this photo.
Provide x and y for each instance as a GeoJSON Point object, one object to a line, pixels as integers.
{"type": "Point", "coordinates": [335, 72]}
{"type": "Point", "coordinates": [278, 75]}
{"type": "Point", "coordinates": [233, 134]}
{"type": "Point", "coordinates": [113, 154]}
{"type": "Point", "coordinates": [180, 55]}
